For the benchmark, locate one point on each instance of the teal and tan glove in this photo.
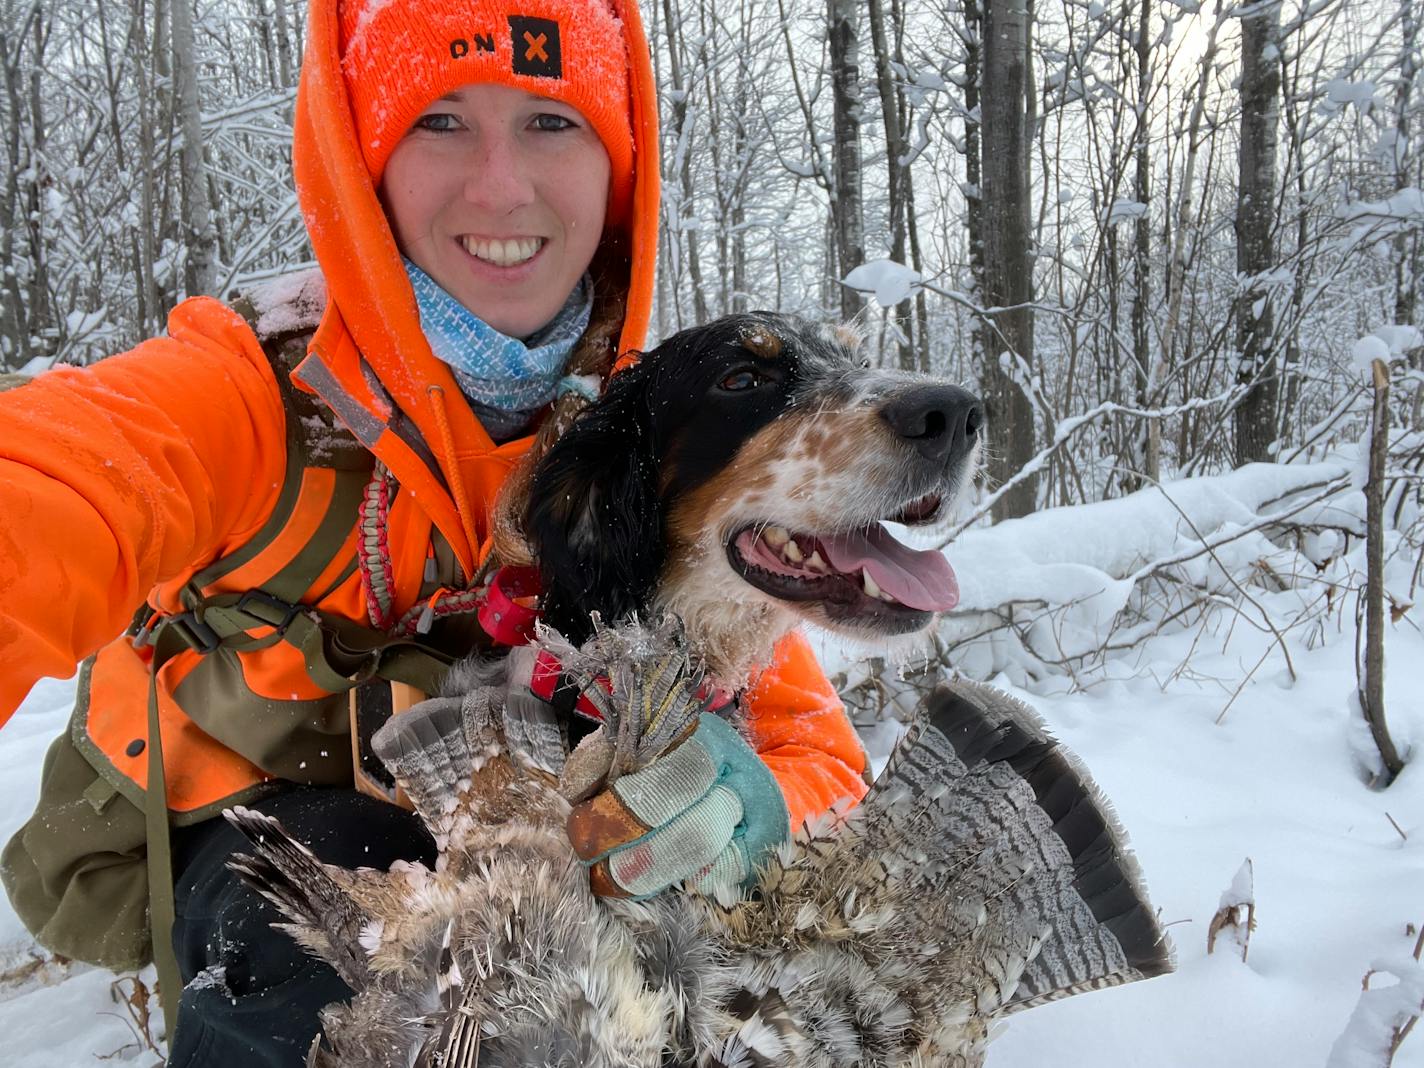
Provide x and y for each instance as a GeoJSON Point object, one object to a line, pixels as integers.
{"type": "Point", "coordinates": [706, 810]}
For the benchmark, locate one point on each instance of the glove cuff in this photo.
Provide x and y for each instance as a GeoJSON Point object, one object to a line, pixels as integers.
{"type": "Point", "coordinates": [766, 821]}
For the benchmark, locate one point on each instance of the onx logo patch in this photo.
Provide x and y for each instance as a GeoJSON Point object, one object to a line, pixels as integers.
{"type": "Point", "coordinates": [536, 47]}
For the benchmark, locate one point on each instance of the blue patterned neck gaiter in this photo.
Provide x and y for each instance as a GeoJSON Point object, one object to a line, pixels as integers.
{"type": "Point", "coordinates": [506, 380]}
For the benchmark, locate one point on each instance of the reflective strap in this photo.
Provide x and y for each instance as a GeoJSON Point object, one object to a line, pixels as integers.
{"type": "Point", "coordinates": [161, 910]}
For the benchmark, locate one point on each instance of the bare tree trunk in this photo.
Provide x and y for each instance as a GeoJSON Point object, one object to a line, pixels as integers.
{"type": "Point", "coordinates": [264, 20]}
{"type": "Point", "coordinates": [1408, 249]}
{"type": "Point", "coordinates": [723, 170]}
{"type": "Point", "coordinates": [895, 166]}
{"type": "Point", "coordinates": [917, 261]}
{"type": "Point", "coordinates": [282, 25]}
{"type": "Point", "coordinates": [1297, 121]}
{"type": "Point", "coordinates": [742, 104]}
{"type": "Point", "coordinates": [1142, 245]}
{"type": "Point", "coordinates": [1008, 251]}
{"type": "Point", "coordinates": [40, 309]}
{"type": "Point", "coordinates": [973, 174]}
{"type": "Point", "coordinates": [1372, 690]}
{"type": "Point", "coordinates": [1257, 370]}
{"type": "Point", "coordinates": [199, 235]}
{"type": "Point", "coordinates": [846, 198]}
{"type": "Point", "coordinates": [147, 162]}
{"type": "Point", "coordinates": [15, 344]}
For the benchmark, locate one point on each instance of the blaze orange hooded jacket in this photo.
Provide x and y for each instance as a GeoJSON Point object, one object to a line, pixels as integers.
{"type": "Point", "coordinates": [120, 482]}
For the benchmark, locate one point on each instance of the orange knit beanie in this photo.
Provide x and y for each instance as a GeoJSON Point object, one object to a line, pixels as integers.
{"type": "Point", "coordinates": [399, 55]}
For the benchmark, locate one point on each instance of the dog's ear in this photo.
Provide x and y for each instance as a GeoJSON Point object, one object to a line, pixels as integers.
{"type": "Point", "coordinates": [594, 519]}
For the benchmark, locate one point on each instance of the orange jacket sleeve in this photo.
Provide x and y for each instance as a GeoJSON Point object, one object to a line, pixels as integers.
{"type": "Point", "coordinates": [121, 475]}
{"type": "Point", "coordinates": [799, 728]}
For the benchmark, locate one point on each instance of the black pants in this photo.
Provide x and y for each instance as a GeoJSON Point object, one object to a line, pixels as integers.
{"type": "Point", "coordinates": [251, 994]}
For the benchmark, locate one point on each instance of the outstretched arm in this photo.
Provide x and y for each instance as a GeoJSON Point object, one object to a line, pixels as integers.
{"type": "Point", "coordinates": [117, 477]}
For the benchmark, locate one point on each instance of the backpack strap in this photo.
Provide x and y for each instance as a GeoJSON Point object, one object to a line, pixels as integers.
{"type": "Point", "coordinates": [340, 654]}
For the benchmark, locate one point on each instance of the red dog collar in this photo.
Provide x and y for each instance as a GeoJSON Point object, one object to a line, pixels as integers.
{"type": "Point", "coordinates": [508, 612]}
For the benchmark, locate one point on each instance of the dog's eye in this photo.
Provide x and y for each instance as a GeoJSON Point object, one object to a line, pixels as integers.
{"type": "Point", "coordinates": [739, 380]}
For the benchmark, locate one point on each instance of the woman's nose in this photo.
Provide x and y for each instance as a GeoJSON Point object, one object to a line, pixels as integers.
{"type": "Point", "coordinates": [500, 177]}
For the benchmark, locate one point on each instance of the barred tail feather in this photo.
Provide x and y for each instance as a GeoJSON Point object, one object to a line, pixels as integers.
{"type": "Point", "coordinates": [325, 918]}
{"type": "Point", "coordinates": [1081, 882]}
{"type": "Point", "coordinates": [427, 750]}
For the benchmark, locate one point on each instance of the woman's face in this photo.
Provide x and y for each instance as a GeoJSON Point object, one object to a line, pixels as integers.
{"type": "Point", "coordinates": [499, 195]}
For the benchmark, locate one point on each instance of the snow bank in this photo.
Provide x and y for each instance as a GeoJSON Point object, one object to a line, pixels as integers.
{"type": "Point", "coordinates": [1063, 580]}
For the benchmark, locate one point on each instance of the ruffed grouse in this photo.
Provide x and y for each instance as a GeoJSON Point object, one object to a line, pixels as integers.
{"type": "Point", "coordinates": [982, 874]}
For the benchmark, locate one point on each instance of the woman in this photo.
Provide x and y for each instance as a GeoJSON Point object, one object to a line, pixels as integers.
{"type": "Point", "coordinates": [480, 188]}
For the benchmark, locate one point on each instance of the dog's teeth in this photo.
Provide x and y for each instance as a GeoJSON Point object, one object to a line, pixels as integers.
{"type": "Point", "coordinates": [776, 537]}
{"type": "Point", "coordinates": [814, 561]}
{"type": "Point", "coordinates": [871, 588]}
{"type": "Point", "coordinates": [792, 551]}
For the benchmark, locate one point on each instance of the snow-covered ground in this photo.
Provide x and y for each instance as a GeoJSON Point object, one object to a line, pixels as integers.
{"type": "Point", "coordinates": [1276, 780]}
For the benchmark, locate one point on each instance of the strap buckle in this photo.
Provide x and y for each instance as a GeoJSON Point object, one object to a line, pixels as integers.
{"type": "Point", "coordinates": [196, 634]}
{"type": "Point", "coordinates": [272, 611]}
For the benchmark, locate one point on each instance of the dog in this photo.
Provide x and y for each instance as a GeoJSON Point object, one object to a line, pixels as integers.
{"type": "Point", "coordinates": [737, 478]}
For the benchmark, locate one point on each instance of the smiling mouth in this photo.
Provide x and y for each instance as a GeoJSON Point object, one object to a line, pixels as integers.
{"type": "Point", "coordinates": [506, 252]}
{"type": "Point", "coordinates": [861, 577]}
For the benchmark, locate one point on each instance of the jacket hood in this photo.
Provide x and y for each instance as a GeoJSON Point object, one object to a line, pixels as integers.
{"type": "Point", "coordinates": [370, 360]}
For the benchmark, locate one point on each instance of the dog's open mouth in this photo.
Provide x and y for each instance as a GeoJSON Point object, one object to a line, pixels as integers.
{"type": "Point", "coordinates": [856, 575]}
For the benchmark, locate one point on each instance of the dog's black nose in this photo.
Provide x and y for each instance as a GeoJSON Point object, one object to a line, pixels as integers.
{"type": "Point", "coordinates": [939, 421]}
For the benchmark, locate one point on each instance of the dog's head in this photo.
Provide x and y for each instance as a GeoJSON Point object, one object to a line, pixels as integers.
{"type": "Point", "coordinates": [738, 476]}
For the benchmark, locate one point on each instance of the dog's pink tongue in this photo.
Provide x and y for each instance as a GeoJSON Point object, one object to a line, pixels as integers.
{"type": "Point", "coordinates": [921, 579]}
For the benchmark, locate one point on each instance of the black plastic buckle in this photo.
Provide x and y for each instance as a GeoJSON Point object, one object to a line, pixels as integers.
{"type": "Point", "coordinates": [281, 614]}
{"type": "Point", "coordinates": [199, 637]}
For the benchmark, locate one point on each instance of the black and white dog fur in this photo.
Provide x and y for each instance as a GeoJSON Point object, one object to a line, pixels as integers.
{"type": "Point", "coordinates": [737, 478]}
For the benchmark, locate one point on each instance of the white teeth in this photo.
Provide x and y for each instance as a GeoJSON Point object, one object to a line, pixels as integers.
{"type": "Point", "coordinates": [792, 552]}
{"type": "Point", "coordinates": [776, 537]}
{"type": "Point", "coordinates": [815, 563]}
{"type": "Point", "coordinates": [871, 588]}
{"type": "Point", "coordinates": [505, 253]}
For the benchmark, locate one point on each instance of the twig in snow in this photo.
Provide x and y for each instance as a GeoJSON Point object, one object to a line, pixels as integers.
{"type": "Point", "coordinates": [1405, 837]}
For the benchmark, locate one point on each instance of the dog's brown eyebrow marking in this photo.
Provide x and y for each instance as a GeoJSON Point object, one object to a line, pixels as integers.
{"type": "Point", "coordinates": [848, 336]}
{"type": "Point", "coordinates": [761, 343]}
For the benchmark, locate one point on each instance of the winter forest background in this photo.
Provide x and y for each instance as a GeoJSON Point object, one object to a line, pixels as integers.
{"type": "Point", "coordinates": [1176, 246]}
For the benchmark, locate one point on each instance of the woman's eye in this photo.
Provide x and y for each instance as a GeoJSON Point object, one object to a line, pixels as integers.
{"type": "Point", "coordinates": [438, 122]}
{"type": "Point", "coordinates": [549, 122]}
{"type": "Point", "coordinates": [739, 380]}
